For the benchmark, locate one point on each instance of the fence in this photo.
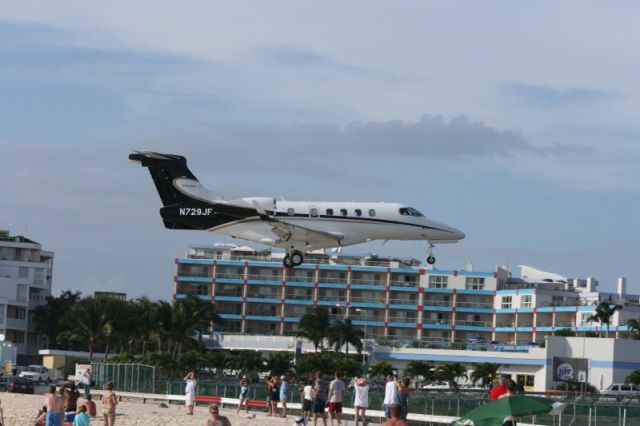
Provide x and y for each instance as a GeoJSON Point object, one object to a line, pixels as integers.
{"type": "Point", "coordinates": [125, 377]}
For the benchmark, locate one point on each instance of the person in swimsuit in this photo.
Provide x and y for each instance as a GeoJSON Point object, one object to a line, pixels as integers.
{"type": "Point", "coordinates": [41, 417]}
{"type": "Point", "coordinates": [109, 402]}
{"type": "Point", "coordinates": [244, 395]}
{"type": "Point", "coordinates": [274, 397]}
{"type": "Point", "coordinates": [55, 408]}
{"type": "Point", "coordinates": [216, 419]}
{"type": "Point", "coordinates": [71, 395]}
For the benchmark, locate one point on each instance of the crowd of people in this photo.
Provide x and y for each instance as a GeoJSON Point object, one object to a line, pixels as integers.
{"type": "Point", "coordinates": [61, 406]}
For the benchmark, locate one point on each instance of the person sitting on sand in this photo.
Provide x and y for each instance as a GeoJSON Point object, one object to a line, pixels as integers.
{"type": "Point", "coordinates": [55, 407]}
{"type": "Point", "coordinates": [91, 406]}
{"type": "Point", "coordinates": [41, 417]}
{"type": "Point", "coordinates": [82, 418]}
{"type": "Point", "coordinates": [109, 402]}
{"type": "Point", "coordinates": [216, 419]}
{"type": "Point", "coordinates": [395, 420]}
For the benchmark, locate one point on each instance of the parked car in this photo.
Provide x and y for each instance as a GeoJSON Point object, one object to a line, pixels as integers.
{"type": "Point", "coordinates": [621, 391]}
{"type": "Point", "coordinates": [437, 386]}
{"type": "Point", "coordinates": [36, 373]}
{"type": "Point", "coordinates": [19, 385]}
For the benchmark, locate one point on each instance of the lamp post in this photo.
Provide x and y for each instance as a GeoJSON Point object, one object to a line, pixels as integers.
{"type": "Point", "coordinates": [365, 334]}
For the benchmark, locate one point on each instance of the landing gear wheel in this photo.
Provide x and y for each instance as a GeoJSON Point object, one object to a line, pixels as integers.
{"type": "Point", "coordinates": [431, 260]}
{"type": "Point", "coordinates": [287, 262]}
{"type": "Point", "coordinates": [297, 258]}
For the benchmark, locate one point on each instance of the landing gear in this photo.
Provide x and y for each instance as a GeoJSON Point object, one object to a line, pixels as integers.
{"type": "Point", "coordinates": [293, 259]}
{"type": "Point", "coordinates": [431, 258]}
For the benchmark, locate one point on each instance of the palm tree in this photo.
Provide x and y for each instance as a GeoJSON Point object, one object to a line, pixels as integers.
{"type": "Point", "coordinates": [422, 369]}
{"type": "Point", "coordinates": [48, 318]}
{"type": "Point", "coordinates": [603, 314]}
{"type": "Point", "coordinates": [485, 373]}
{"type": "Point", "coordinates": [450, 372]}
{"type": "Point", "coordinates": [634, 327]}
{"type": "Point", "coordinates": [634, 377]}
{"type": "Point", "coordinates": [343, 333]}
{"type": "Point", "coordinates": [314, 326]}
{"type": "Point", "coordinates": [90, 320]}
{"type": "Point", "coordinates": [380, 369]}
{"type": "Point", "coordinates": [278, 363]}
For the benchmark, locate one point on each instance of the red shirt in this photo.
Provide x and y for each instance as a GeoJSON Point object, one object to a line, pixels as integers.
{"type": "Point", "coordinates": [496, 391]}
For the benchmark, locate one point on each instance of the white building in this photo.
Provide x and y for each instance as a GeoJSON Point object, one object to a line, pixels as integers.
{"type": "Point", "coordinates": [25, 280]}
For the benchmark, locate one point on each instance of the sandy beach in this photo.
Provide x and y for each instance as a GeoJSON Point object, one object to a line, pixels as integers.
{"type": "Point", "coordinates": [20, 410]}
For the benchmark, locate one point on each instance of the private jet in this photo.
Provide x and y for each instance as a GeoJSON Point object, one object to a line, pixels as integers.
{"type": "Point", "coordinates": [296, 226]}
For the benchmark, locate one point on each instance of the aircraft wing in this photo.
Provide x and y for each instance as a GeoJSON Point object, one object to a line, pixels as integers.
{"type": "Point", "coordinates": [314, 239]}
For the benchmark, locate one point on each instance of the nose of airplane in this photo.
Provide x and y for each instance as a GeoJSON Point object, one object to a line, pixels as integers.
{"type": "Point", "coordinates": [457, 234]}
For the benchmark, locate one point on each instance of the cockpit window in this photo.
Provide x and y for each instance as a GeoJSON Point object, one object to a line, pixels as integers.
{"type": "Point", "coordinates": [409, 211]}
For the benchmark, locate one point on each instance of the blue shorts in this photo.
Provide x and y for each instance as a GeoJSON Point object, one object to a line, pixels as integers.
{"type": "Point", "coordinates": [387, 411]}
{"type": "Point", "coordinates": [54, 419]}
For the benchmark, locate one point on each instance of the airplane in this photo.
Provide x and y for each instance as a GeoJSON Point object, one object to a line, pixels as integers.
{"type": "Point", "coordinates": [296, 226]}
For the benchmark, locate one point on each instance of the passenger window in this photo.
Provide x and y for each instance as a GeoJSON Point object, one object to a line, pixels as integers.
{"type": "Point", "coordinates": [291, 212]}
{"type": "Point", "coordinates": [614, 388]}
{"type": "Point", "coordinates": [313, 212]}
{"type": "Point", "coordinates": [358, 212]}
{"type": "Point", "coordinates": [372, 212]}
{"type": "Point", "coordinates": [329, 212]}
{"type": "Point", "coordinates": [343, 212]}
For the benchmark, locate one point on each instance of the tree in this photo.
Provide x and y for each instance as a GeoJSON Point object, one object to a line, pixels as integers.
{"type": "Point", "coordinates": [90, 319]}
{"type": "Point", "coordinates": [634, 328]}
{"type": "Point", "coordinates": [314, 325]}
{"type": "Point", "coordinates": [633, 378]}
{"type": "Point", "coordinates": [220, 360]}
{"type": "Point", "coordinates": [565, 332]}
{"type": "Point", "coordinates": [48, 318]}
{"type": "Point", "coordinates": [485, 373]}
{"type": "Point", "coordinates": [603, 314]}
{"type": "Point", "coordinates": [425, 371]}
{"type": "Point", "coordinates": [247, 362]}
{"type": "Point", "coordinates": [450, 372]}
{"type": "Point", "coordinates": [328, 363]}
{"type": "Point", "coordinates": [279, 363]}
{"type": "Point", "coordinates": [343, 333]}
{"type": "Point", "coordinates": [380, 369]}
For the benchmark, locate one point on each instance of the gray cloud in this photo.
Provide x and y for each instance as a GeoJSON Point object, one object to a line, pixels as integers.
{"type": "Point", "coordinates": [543, 96]}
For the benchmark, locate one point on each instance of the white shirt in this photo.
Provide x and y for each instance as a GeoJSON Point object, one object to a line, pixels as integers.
{"type": "Point", "coordinates": [308, 392]}
{"type": "Point", "coordinates": [362, 396]}
{"type": "Point", "coordinates": [390, 393]}
{"type": "Point", "coordinates": [191, 387]}
{"type": "Point", "coordinates": [337, 386]}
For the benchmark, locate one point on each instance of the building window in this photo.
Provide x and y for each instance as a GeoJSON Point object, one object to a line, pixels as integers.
{"type": "Point", "coordinates": [329, 212]}
{"type": "Point", "coordinates": [358, 212]}
{"type": "Point", "coordinates": [372, 212]}
{"type": "Point", "coordinates": [506, 302]}
{"type": "Point", "coordinates": [291, 211]}
{"type": "Point", "coordinates": [343, 212]}
{"type": "Point", "coordinates": [474, 283]}
{"type": "Point", "coordinates": [438, 281]}
{"type": "Point", "coordinates": [526, 301]}
{"type": "Point", "coordinates": [313, 212]}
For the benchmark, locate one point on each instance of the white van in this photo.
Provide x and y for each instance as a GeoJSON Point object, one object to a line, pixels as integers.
{"type": "Point", "coordinates": [621, 390]}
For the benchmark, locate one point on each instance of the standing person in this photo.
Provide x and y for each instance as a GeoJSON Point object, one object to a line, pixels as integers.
{"type": "Point", "coordinates": [190, 391]}
{"type": "Point", "coordinates": [269, 386]}
{"type": "Point", "coordinates": [284, 394]}
{"type": "Point", "coordinates": [86, 381]}
{"type": "Point", "coordinates": [320, 394]}
{"type": "Point", "coordinates": [390, 395]}
{"type": "Point", "coordinates": [500, 389]}
{"type": "Point", "coordinates": [55, 407]}
{"type": "Point", "coordinates": [109, 402]}
{"type": "Point", "coordinates": [394, 419]}
{"type": "Point", "coordinates": [82, 418]}
{"type": "Point", "coordinates": [274, 398]}
{"type": "Point", "coordinates": [403, 397]}
{"type": "Point", "coordinates": [244, 395]}
{"type": "Point", "coordinates": [306, 394]}
{"type": "Point", "coordinates": [216, 419]}
{"type": "Point", "coordinates": [336, 391]}
{"type": "Point", "coordinates": [71, 395]}
{"type": "Point", "coordinates": [361, 401]}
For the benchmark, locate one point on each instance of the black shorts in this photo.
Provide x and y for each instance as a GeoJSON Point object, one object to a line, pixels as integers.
{"type": "Point", "coordinates": [318, 406]}
{"type": "Point", "coordinates": [307, 405]}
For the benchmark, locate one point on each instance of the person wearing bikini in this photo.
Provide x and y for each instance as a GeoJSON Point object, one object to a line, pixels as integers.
{"type": "Point", "coordinates": [109, 402]}
{"type": "Point", "coordinates": [216, 419]}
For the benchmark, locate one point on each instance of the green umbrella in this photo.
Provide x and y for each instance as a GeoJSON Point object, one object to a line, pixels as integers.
{"type": "Point", "coordinates": [494, 412]}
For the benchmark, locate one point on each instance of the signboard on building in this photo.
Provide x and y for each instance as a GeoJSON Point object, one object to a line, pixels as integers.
{"type": "Point", "coordinates": [570, 369]}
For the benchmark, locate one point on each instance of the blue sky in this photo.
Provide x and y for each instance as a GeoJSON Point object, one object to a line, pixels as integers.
{"type": "Point", "coordinates": [517, 123]}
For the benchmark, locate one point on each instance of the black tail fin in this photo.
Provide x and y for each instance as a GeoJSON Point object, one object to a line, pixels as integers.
{"type": "Point", "coordinates": [164, 169]}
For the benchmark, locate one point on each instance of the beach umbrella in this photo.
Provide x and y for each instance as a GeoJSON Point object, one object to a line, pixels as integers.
{"type": "Point", "coordinates": [494, 412]}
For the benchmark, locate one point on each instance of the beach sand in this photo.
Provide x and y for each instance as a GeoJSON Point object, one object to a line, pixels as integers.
{"type": "Point", "coordinates": [20, 410]}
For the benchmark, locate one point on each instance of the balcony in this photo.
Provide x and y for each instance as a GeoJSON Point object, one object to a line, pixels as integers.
{"type": "Point", "coordinates": [371, 300]}
{"type": "Point", "coordinates": [229, 293]}
{"type": "Point", "coordinates": [332, 280]}
{"type": "Point", "coordinates": [402, 319]}
{"type": "Point", "coordinates": [360, 281]}
{"type": "Point", "coordinates": [228, 276]}
{"type": "Point", "coordinates": [298, 296]}
{"type": "Point", "coordinates": [298, 279]}
{"type": "Point", "coordinates": [257, 295]}
{"type": "Point", "coordinates": [440, 303]}
{"type": "Point", "coordinates": [436, 321]}
{"type": "Point", "coordinates": [264, 278]}
{"type": "Point", "coordinates": [474, 323]}
{"type": "Point", "coordinates": [474, 305]}
{"type": "Point", "coordinates": [505, 323]}
{"type": "Point", "coordinates": [404, 301]}
{"type": "Point", "coordinates": [411, 284]}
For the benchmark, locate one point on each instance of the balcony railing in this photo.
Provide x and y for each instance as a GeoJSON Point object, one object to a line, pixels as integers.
{"type": "Point", "coordinates": [332, 280]}
{"type": "Point", "coordinates": [360, 281]}
{"type": "Point", "coordinates": [442, 303]}
{"type": "Point", "coordinates": [475, 305]}
{"type": "Point", "coordinates": [402, 319]}
{"type": "Point", "coordinates": [263, 278]}
{"type": "Point", "coordinates": [474, 323]}
{"type": "Point", "coordinates": [229, 293]}
{"type": "Point", "coordinates": [226, 276]}
{"type": "Point", "coordinates": [377, 300]}
{"type": "Point", "coordinates": [435, 321]}
{"type": "Point", "coordinates": [297, 279]}
{"type": "Point", "coordinates": [403, 284]}
{"type": "Point", "coordinates": [403, 301]}
{"type": "Point", "coordinates": [298, 296]}
{"type": "Point", "coordinates": [274, 295]}
{"type": "Point", "coordinates": [505, 324]}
